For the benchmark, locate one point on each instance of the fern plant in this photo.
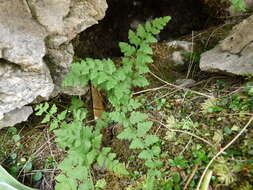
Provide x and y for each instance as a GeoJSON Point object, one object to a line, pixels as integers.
{"type": "Point", "coordinates": [84, 142]}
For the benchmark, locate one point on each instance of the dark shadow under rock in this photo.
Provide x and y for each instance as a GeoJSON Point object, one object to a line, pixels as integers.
{"type": "Point", "coordinates": [101, 40]}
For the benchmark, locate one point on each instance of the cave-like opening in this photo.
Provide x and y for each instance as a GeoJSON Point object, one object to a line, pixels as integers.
{"type": "Point", "coordinates": [101, 40]}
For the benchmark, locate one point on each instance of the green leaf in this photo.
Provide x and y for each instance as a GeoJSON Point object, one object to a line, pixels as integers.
{"type": "Point", "coordinates": [145, 154]}
{"type": "Point", "coordinates": [150, 38]}
{"type": "Point", "coordinates": [41, 108]}
{"type": "Point", "coordinates": [177, 187]}
{"type": "Point", "coordinates": [148, 26]}
{"type": "Point", "coordinates": [227, 130]}
{"type": "Point", "coordinates": [79, 114]}
{"type": "Point", "coordinates": [76, 103]}
{"type": "Point", "coordinates": [7, 182]}
{"type": "Point", "coordinates": [146, 49]}
{"type": "Point", "coordinates": [109, 66]}
{"type": "Point", "coordinates": [141, 31]}
{"type": "Point", "coordinates": [140, 81]}
{"type": "Point", "coordinates": [37, 176]}
{"type": "Point", "coordinates": [156, 150]}
{"type": "Point", "coordinates": [133, 104]}
{"type": "Point", "coordinates": [119, 168]}
{"type": "Point", "coordinates": [46, 119]}
{"type": "Point", "coordinates": [28, 167]}
{"type": "Point", "coordinates": [137, 143]}
{"type": "Point", "coordinates": [155, 31]}
{"type": "Point", "coordinates": [101, 183]}
{"type": "Point", "coordinates": [62, 115]}
{"type": "Point", "coordinates": [169, 184]}
{"type": "Point", "coordinates": [137, 117]}
{"type": "Point", "coordinates": [151, 139]}
{"type": "Point", "coordinates": [133, 38]}
{"type": "Point", "coordinates": [102, 77]}
{"type": "Point", "coordinates": [16, 138]}
{"type": "Point", "coordinates": [176, 177]}
{"type": "Point", "coordinates": [128, 133]}
{"type": "Point", "coordinates": [53, 110]}
{"type": "Point", "coordinates": [53, 125]}
{"type": "Point", "coordinates": [143, 128]}
{"type": "Point", "coordinates": [112, 83]}
{"type": "Point", "coordinates": [127, 49]}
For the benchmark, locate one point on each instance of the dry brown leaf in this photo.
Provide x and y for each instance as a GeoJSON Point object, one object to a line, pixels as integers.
{"type": "Point", "coordinates": [97, 100]}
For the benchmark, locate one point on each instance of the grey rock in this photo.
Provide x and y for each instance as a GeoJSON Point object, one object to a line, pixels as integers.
{"type": "Point", "coordinates": [16, 116]}
{"type": "Point", "coordinates": [240, 36]}
{"type": "Point", "coordinates": [18, 87]}
{"type": "Point", "coordinates": [21, 37]}
{"type": "Point", "coordinates": [234, 54]}
{"type": "Point", "coordinates": [36, 49]}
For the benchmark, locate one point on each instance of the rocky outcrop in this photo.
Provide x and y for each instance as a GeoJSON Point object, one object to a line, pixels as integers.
{"type": "Point", "coordinates": [234, 54]}
{"type": "Point", "coordinates": [36, 49]}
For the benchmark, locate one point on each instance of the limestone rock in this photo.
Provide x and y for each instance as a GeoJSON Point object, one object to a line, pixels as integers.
{"type": "Point", "coordinates": [240, 37]}
{"type": "Point", "coordinates": [16, 116]}
{"type": "Point", "coordinates": [36, 49]}
{"type": "Point", "coordinates": [18, 87]}
{"type": "Point", "coordinates": [234, 54]}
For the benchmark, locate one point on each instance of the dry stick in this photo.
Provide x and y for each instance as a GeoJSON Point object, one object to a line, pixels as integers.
{"type": "Point", "coordinates": [35, 153]}
{"type": "Point", "coordinates": [180, 87]}
{"type": "Point", "coordinates": [221, 151]}
{"type": "Point", "coordinates": [185, 132]}
{"type": "Point", "coordinates": [150, 89]}
{"type": "Point", "coordinates": [191, 57]}
{"type": "Point", "coordinates": [191, 176]}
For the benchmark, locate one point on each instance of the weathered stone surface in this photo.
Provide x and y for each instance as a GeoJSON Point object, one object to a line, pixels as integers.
{"type": "Point", "coordinates": [21, 37]}
{"type": "Point", "coordinates": [234, 54]}
{"type": "Point", "coordinates": [16, 116]}
{"type": "Point", "coordinates": [36, 49]}
{"type": "Point", "coordinates": [240, 37]}
{"type": "Point", "coordinates": [18, 87]}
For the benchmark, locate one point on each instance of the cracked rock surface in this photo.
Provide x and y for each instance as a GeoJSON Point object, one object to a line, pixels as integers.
{"type": "Point", "coordinates": [234, 55]}
{"type": "Point", "coordinates": [36, 49]}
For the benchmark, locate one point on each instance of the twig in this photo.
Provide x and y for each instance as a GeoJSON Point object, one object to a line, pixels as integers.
{"type": "Point", "coordinates": [167, 94]}
{"type": "Point", "coordinates": [150, 89]}
{"type": "Point", "coordinates": [35, 153]}
{"type": "Point", "coordinates": [180, 87]}
{"type": "Point", "coordinates": [185, 132]}
{"type": "Point", "coordinates": [221, 151]}
{"type": "Point", "coordinates": [190, 141]}
{"type": "Point", "coordinates": [195, 169]}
